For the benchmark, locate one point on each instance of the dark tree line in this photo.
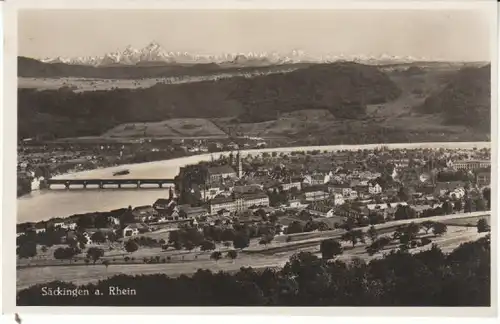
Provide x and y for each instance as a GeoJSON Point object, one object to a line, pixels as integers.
{"type": "Point", "coordinates": [428, 278]}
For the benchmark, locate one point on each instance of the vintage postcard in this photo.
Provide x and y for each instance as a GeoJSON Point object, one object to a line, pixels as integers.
{"type": "Point", "coordinates": [248, 154]}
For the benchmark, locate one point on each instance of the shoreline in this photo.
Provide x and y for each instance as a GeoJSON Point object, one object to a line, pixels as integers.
{"type": "Point", "coordinates": [193, 159]}
{"type": "Point", "coordinates": [64, 203]}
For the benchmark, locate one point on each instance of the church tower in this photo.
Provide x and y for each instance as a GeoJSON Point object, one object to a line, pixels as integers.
{"type": "Point", "coordinates": [239, 165]}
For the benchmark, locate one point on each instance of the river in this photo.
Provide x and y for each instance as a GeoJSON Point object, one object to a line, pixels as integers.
{"type": "Point", "coordinates": [45, 204]}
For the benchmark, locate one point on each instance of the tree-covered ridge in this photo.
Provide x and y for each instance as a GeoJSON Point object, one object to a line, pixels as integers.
{"type": "Point", "coordinates": [342, 88]}
{"type": "Point", "coordinates": [428, 278]}
{"type": "Point", "coordinates": [466, 100]}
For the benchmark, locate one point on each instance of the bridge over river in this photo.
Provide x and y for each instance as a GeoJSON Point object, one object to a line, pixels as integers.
{"type": "Point", "coordinates": [107, 183]}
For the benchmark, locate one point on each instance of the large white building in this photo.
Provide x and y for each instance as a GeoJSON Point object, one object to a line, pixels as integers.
{"type": "Point", "coordinates": [471, 164]}
{"type": "Point", "coordinates": [237, 203]}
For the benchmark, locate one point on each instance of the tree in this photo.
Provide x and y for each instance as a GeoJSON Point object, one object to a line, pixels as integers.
{"type": "Point", "coordinates": [207, 245]}
{"type": "Point", "coordinates": [482, 226]}
{"type": "Point", "coordinates": [233, 254]}
{"type": "Point", "coordinates": [241, 241]}
{"type": "Point", "coordinates": [439, 228]}
{"type": "Point", "coordinates": [487, 196]}
{"type": "Point", "coordinates": [480, 204]}
{"type": "Point", "coordinates": [87, 261]}
{"type": "Point", "coordinates": [177, 245]}
{"type": "Point", "coordinates": [227, 234]}
{"type": "Point", "coordinates": [372, 233]}
{"type": "Point", "coordinates": [227, 244]}
{"type": "Point", "coordinates": [95, 253]}
{"type": "Point", "coordinates": [468, 205]}
{"type": "Point", "coordinates": [98, 237]}
{"type": "Point", "coordinates": [330, 248]}
{"type": "Point", "coordinates": [105, 263]}
{"type": "Point", "coordinates": [27, 250]}
{"type": "Point", "coordinates": [458, 205]}
{"type": "Point", "coordinates": [189, 246]}
{"type": "Point", "coordinates": [447, 207]}
{"type": "Point", "coordinates": [44, 249]}
{"type": "Point", "coordinates": [216, 255]}
{"type": "Point", "coordinates": [65, 253]}
{"type": "Point", "coordinates": [353, 236]}
{"type": "Point", "coordinates": [295, 227]}
{"type": "Point", "coordinates": [427, 225]}
{"type": "Point", "coordinates": [131, 246]}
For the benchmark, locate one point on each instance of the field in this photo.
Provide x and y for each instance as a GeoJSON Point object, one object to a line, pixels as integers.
{"type": "Point", "coordinates": [98, 84]}
{"type": "Point", "coordinates": [275, 254]}
{"type": "Point", "coordinates": [171, 128]}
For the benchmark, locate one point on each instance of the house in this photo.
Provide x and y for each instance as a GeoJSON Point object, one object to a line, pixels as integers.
{"type": "Point", "coordinates": [338, 199]}
{"type": "Point", "coordinates": [374, 189]}
{"type": "Point", "coordinates": [130, 230]}
{"type": "Point", "coordinates": [194, 212]}
{"type": "Point", "coordinates": [210, 193]}
{"type": "Point", "coordinates": [388, 209]}
{"type": "Point", "coordinates": [294, 203]}
{"type": "Point", "coordinates": [314, 179]}
{"type": "Point", "coordinates": [162, 206]}
{"type": "Point", "coordinates": [347, 212]}
{"type": "Point", "coordinates": [341, 188]}
{"type": "Point", "coordinates": [134, 229]}
{"type": "Point", "coordinates": [143, 213]}
{"type": "Point", "coordinates": [114, 221]}
{"type": "Point", "coordinates": [443, 188]}
{"type": "Point", "coordinates": [315, 193]}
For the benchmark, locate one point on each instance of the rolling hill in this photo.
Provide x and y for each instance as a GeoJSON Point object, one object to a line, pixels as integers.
{"type": "Point", "coordinates": [344, 89]}
{"type": "Point", "coordinates": [466, 99]}
{"type": "Point", "coordinates": [31, 68]}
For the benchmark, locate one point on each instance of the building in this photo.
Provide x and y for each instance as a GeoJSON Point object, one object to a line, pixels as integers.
{"type": "Point", "coordinates": [315, 193]}
{"type": "Point", "coordinates": [471, 164]}
{"type": "Point", "coordinates": [443, 188]}
{"type": "Point", "coordinates": [338, 199]}
{"type": "Point", "coordinates": [374, 189]}
{"type": "Point", "coordinates": [387, 209]}
{"type": "Point", "coordinates": [143, 213]}
{"type": "Point", "coordinates": [219, 173]}
{"type": "Point", "coordinates": [162, 205]}
{"type": "Point", "coordinates": [342, 188]}
{"type": "Point", "coordinates": [238, 203]}
{"type": "Point", "coordinates": [287, 186]}
{"type": "Point", "coordinates": [483, 179]}
{"type": "Point", "coordinates": [131, 230]}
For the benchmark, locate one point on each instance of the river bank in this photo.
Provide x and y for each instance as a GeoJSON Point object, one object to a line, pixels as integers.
{"type": "Point", "coordinates": [45, 204]}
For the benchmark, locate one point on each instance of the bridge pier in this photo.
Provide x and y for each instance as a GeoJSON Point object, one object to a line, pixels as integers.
{"type": "Point", "coordinates": [101, 185]}
{"type": "Point", "coordinates": [66, 185]}
{"type": "Point", "coordinates": [85, 185]}
{"type": "Point", "coordinates": [119, 185]}
{"type": "Point", "coordinates": [161, 184]}
{"type": "Point", "coordinates": [138, 184]}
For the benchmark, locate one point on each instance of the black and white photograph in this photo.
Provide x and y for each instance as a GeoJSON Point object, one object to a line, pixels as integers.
{"type": "Point", "coordinates": [333, 157]}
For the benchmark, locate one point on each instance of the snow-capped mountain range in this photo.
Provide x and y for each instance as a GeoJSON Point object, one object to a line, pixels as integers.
{"type": "Point", "coordinates": [154, 52]}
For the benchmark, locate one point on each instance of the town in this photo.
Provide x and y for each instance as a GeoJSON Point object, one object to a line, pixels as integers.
{"type": "Point", "coordinates": [253, 203]}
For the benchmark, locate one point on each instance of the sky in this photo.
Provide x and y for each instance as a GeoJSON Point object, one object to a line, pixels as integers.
{"type": "Point", "coordinates": [434, 34]}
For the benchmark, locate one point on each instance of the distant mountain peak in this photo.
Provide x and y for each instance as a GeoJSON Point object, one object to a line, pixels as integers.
{"type": "Point", "coordinates": [154, 52]}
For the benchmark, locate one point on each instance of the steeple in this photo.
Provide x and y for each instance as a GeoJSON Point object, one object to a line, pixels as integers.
{"type": "Point", "coordinates": [239, 166]}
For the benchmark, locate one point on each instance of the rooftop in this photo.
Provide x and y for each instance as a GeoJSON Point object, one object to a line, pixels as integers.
{"type": "Point", "coordinates": [223, 169]}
